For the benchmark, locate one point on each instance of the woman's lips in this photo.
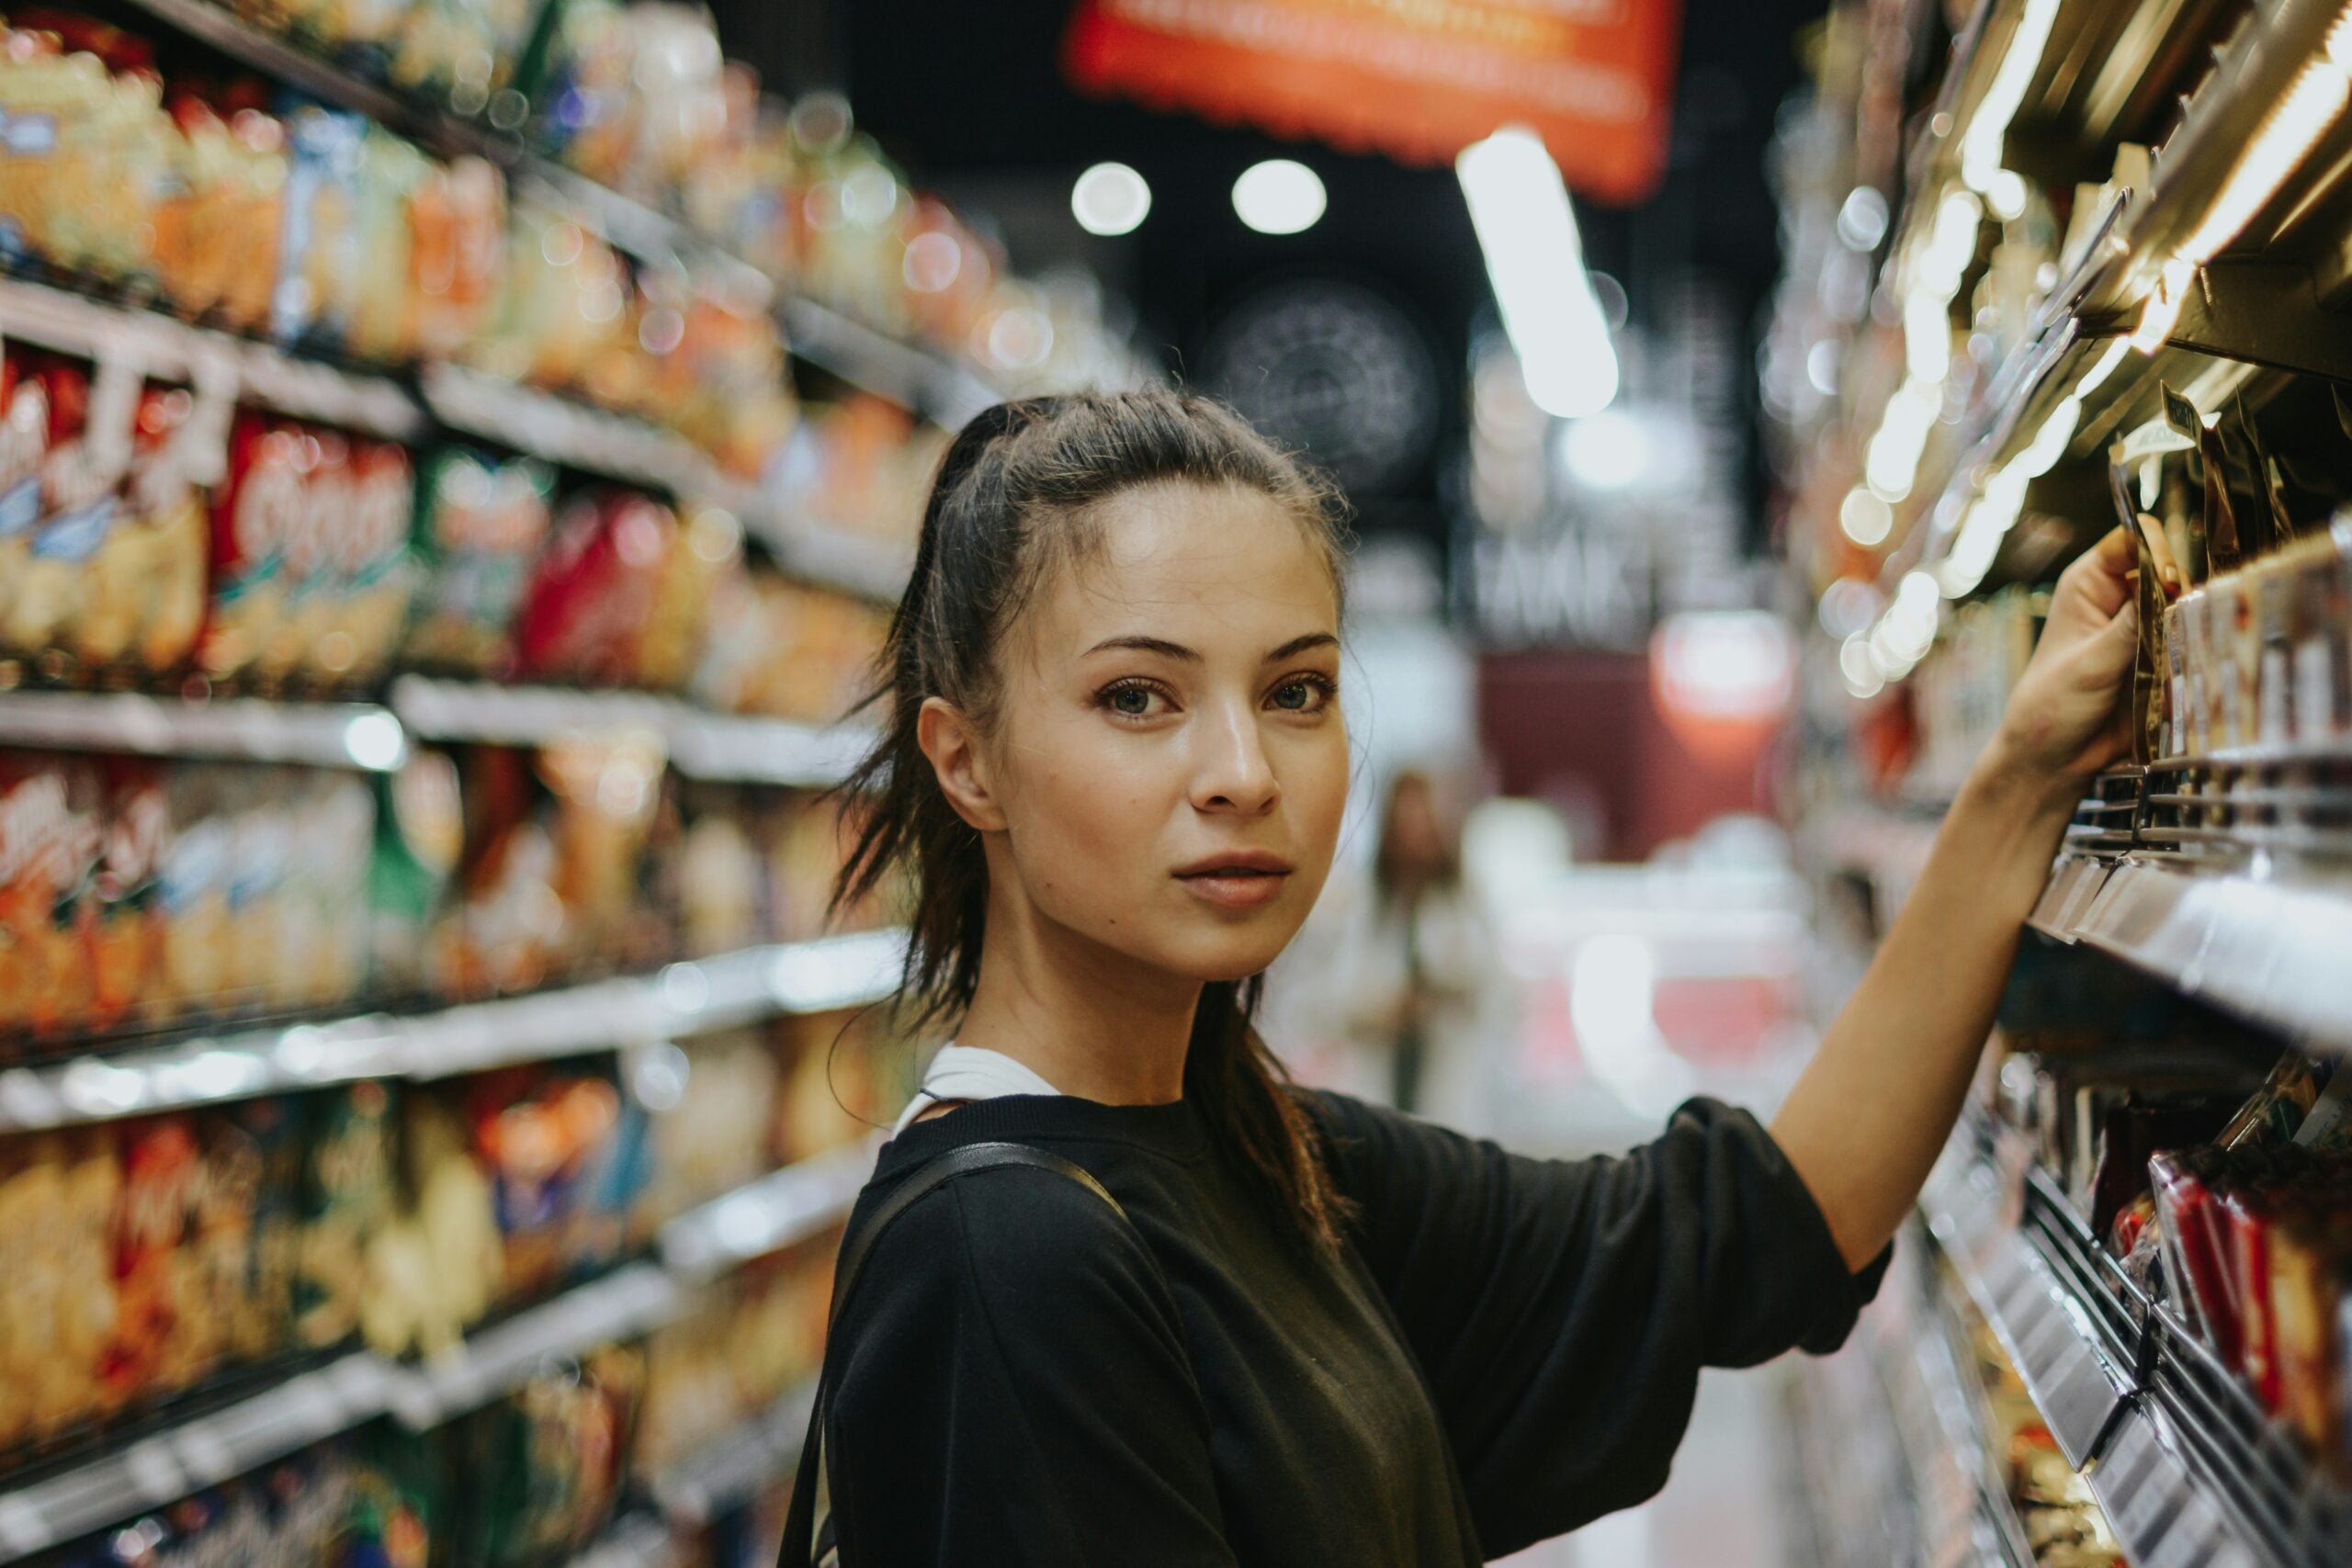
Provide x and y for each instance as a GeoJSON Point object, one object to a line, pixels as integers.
{"type": "Point", "coordinates": [1236, 886]}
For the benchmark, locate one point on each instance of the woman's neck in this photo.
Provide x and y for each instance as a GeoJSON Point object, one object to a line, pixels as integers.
{"type": "Point", "coordinates": [1091, 1021]}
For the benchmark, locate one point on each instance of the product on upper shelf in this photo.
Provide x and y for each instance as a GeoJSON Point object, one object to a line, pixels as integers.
{"type": "Point", "coordinates": [312, 575]}
{"type": "Point", "coordinates": [861, 466]}
{"type": "Point", "coordinates": [781, 650]}
{"type": "Point", "coordinates": [2265, 651]}
{"type": "Point", "coordinates": [718, 1133]}
{"type": "Point", "coordinates": [748, 1341]}
{"type": "Point", "coordinates": [480, 523]}
{"type": "Point", "coordinates": [527, 1480]}
{"type": "Point", "coordinates": [757, 864]}
{"type": "Point", "coordinates": [558, 867]}
{"type": "Point", "coordinates": [387, 254]}
{"type": "Point", "coordinates": [622, 593]}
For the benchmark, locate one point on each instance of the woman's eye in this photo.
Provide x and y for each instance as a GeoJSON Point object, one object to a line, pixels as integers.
{"type": "Point", "coordinates": [1300, 696]}
{"type": "Point", "coordinates": [1137, 700]}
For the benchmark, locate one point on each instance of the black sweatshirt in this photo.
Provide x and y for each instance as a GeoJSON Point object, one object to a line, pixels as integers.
{"type": "Point", "coordinates": [1507, 1348]}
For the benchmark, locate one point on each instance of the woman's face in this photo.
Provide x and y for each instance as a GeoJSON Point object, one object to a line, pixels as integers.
{"type": "Point", "coordinates": [1168, 761]}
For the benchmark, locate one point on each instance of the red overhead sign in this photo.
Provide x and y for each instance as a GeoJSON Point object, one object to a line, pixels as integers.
{"type": "Point", "coordinates": [1418, 80]}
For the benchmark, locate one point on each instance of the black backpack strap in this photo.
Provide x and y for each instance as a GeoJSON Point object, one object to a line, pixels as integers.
{"type": "Point", "coordinates": [803, 1544]}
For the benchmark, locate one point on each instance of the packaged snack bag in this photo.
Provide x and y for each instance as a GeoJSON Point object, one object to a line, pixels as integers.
{"type": "Point", "coordinates": [263, 971]}
{"type": "Point", "coordinates": [375, 575]}
{"type": "Point", "coordinates": [164, 1336]}
{"type": "Point", "coordinates": [127, 944]}
{"type": "Point", "coordinates": [347, 1197]}
{"type": "Point", "coordinates": [90, 413]}
{"type": "Point", "coordinates": [320, 254]}
{"type": "Point", "coordinates": [596, 588]}
{"type": "Point", "coordinates": [457, 262]}
{"type": "Point", "coordinates": [193, 891]}
{"type": "Point", "coordinates": [481, 524]}
{"type": "Point", "coordinates": [229, 211]}
{"type": "Point", "coordinates": [258, 515]}
{"type": "Point", "coordinates": [608, 800]}
{"type": "Point", "coordinates": [49, 846]}
{"type": "Point", "coordinates": [722, 896]}
{"type": "Point", "coordinates": [276, 1129]}
{"type": "Point", "coordinates": [419, 835]}
{"type": "Point", "coordinates": [536, 1136]}
{"type": "Point", "coordinates": [142, 600]}
{"type": "Point", "coordinates": [437, 1266]}
{"type": "Point", "coordinates": [333, 818]}
{"type": "Point", "coordinates": [24, 448]}
{"type": "Point", "coordinates": [58, 1199]}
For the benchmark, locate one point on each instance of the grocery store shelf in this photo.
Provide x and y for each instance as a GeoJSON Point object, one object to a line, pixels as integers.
{"type": "Point", "coordinates": [766, 1216]}
{"type": "Point", "coordinates": [2187, 1469]}
{"type": "Point", "coordinates": [915, 378]}
{"type": "Point", "coordinates": [2261, 941]}
{"type": "Point", "coordinates": [686, 998]}
{"type": "Point", "coordinates": [322, 735]}
{"type": "Point", "coordinates": [617, 447]}
{"type": "Point", "coordinates": [201, 1451]}
{"type": "Point", "coordinates": [168, 348]}
{"type": "Point", "coordinates": [522, 716]}
{"type": "Point", "coordinates": [625, 1304]}
{"type": "Point", "coordinates": [632, 227]}
{"type": "Point", "coordinates": [154, 1469]}
{"type": "Point", "coordinates": [839, 557]}
{"type": "Point", "coordinates": [704, 745]}
{"type": "Point", "coordinates": [738, 1466]}
{"type": "Point", "coordinates": [316, 76]}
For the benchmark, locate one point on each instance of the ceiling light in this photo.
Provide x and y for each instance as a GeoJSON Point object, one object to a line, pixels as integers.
{"type": "Point", "coordinates": [1110, 199]}
{"type": "Point", "coordinates": [1279, 196]}
{"type": "Point", "coordinates": [1527, 231]}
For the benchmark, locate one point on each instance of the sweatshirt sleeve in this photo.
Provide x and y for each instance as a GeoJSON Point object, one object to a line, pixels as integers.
{"type": "Point", "coordinates": [1562, 1309]}
{"type": "Point", "coordinates": [1012, 1388]}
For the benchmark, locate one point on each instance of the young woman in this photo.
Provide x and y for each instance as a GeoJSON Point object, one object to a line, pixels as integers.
{"type": "Point", "coordinates": [1320, 1336]}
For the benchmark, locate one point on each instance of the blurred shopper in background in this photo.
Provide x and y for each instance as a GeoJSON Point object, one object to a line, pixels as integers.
{"type": "Point", "coordinates": [1405, 980]}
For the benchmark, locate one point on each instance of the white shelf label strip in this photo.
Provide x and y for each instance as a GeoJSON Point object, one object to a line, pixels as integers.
{"type": "Point", "coordinates": [722, 992]}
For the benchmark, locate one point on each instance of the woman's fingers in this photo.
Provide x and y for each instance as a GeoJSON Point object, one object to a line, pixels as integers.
{"type": "Point", "coordinates": [2100, 575]}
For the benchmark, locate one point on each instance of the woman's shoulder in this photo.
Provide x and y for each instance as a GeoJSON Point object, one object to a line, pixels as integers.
{"type": "Point", "coordinates": [984, 1233]}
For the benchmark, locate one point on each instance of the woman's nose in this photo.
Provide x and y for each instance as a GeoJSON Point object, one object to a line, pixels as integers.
{"type": "Point", "coordinates": [1232, 771]}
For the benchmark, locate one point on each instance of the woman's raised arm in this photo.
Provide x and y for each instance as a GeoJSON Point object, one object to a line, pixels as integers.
{"type": "Point", "coordinates": [1867, 1119]}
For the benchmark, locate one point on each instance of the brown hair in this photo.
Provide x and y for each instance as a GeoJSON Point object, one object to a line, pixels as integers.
{"type": "Point", "coordinates": [1014, 497]}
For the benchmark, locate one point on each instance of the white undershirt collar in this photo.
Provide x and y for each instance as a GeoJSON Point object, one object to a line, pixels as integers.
{"type": "Point", "coordinates": [970, 1072]}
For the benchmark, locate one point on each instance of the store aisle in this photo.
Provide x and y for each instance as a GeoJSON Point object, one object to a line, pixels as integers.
{"type": "Point", "coordinates": [1728, 1505]}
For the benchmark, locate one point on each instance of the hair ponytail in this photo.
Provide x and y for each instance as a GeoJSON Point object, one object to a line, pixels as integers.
{"type": "Point", "coordinates": [1010, 502]}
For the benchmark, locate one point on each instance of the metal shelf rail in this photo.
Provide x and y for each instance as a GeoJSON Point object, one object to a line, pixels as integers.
{"type": "Point", "coordinates": [2183, 1461]}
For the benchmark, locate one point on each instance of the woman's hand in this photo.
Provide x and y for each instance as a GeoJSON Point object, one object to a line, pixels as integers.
{"type": "Point", "coordinates": [2068, 718]}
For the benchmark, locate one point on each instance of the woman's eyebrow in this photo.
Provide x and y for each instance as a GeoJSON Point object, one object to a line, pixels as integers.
{"type": "Point", "coordinates": [1140, 644]}
{"type": "Point", "coordinates": [1299, 645]}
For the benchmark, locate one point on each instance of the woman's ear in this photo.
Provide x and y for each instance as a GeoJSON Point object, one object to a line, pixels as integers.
{"type": "Point", "coordinates": [953, 745]}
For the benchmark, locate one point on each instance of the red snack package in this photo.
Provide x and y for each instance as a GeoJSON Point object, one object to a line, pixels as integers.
{"type": "Point", "coordinates": [158, 1330]}
{"type": "Point", "coordinates": [2247, 1213]}
{"type": "Point", "coordinates": [256, 512]}
{"type": "Point", "coordinates": [596, 588]}
{"type": "Point", "coordinates": [2195, 1261]}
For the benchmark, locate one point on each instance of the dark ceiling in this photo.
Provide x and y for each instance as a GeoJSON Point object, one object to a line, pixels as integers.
{"type": "Point", "coordinates": [970, 99]}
